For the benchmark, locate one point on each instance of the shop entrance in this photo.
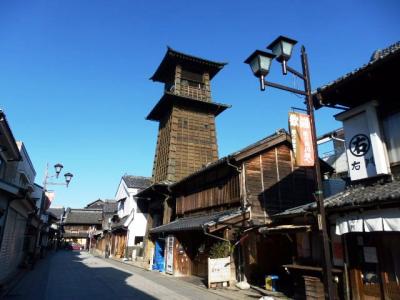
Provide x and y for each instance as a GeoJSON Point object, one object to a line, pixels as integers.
{"type": "Point", "coordinates": [375, 265]}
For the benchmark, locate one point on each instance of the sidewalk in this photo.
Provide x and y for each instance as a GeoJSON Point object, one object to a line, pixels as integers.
{"type": "Point", "coordinates": [228, 293]}
{"type": "Point", "coordinates": [20, 273]}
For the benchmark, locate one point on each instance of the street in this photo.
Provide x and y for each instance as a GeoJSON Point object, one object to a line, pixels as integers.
{"type": "Point", "coordinates": [74, 275]}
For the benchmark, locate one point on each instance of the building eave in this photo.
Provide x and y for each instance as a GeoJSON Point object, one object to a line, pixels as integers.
{"type": "Point", "coordinates": [10, 151]}
{"type": "Point", "coordinates": [366, 83]}
{"type": "Point", "coordinates": [169, 99]}
{"type": "Point", "coordinates": [173, 58]}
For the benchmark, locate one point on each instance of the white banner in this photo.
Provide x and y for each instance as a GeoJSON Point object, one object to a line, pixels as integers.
{"type": "Point", "coordinates": [169, 260]}
{"type": "Point", "coordinates": [379, 220]}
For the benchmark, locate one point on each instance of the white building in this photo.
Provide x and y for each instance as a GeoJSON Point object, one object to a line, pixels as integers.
{"type": "Point", "coordinates": [132, 211]}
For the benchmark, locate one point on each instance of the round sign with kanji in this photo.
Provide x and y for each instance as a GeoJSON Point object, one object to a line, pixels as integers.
{"type": "Point", "coordinates": [359, 145]}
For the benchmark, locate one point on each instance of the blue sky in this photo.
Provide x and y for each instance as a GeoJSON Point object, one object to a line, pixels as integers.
{"type": "Point", "coordinates": [74, 75]}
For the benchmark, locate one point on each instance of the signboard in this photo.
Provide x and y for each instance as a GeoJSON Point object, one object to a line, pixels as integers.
{"type": "Point", "coordinates": [219, 270]}
{"type": "Point", "coordinates": [359, 151]}
{"type": "Point", "coordinates": [170, 255]}
{"type": "Point", "coordinates": [365, 152]}
{"type": "Point", "coordinates": [300, 130]}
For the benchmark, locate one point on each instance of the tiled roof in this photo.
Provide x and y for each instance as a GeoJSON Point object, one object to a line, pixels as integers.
{"type": "Point", "coordinates": [137, 182]}
{"type": "Point", "coordinates": [173, 57]}
{"type": "Point", "coordinates": [154, 188]}
{"type": "Point", "coordinates": [196, 222]}
{"type": "Point", "coordinates": [95, 204]}
{"type": "Point", "coordinates": [110, 206]}
{"type": "Point", "coordinates": [120, 223]}
{"type": "Point", "coordinates": [377, 57]}
{"type": "Point", "coordinates": [83, 216]}
{"type": "Point", "coordinates": [168, 99]}
{"type": "Point", "coordinates": [57, 211]}
{"type": "Point", "coordinates": [354, 196]}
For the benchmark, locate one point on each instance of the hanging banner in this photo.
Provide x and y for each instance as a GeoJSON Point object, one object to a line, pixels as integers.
{"type": "Point", "coordinates": [300, 130]}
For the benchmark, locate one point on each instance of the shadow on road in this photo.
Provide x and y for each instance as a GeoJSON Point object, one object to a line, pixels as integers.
{"type": "Point", "coordinates": [71, 275]}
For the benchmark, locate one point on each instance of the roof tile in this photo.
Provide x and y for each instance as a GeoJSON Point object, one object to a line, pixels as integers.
{"type": "Point", "coordinates": [138, 182]}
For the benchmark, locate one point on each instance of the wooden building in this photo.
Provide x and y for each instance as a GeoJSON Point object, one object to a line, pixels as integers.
{"type": "Point", "coordinates": [228, 200]}
{"type": "Point", "coordinates": [103, 238]}
{"type": "Point", "coordinates": [78, 223]}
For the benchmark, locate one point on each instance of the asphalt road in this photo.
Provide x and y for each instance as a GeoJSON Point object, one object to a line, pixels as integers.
{"type": "Point", "coordinates": [73, 275]}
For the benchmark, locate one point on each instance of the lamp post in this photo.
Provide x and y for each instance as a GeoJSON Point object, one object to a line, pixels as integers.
{"type": "Point", "coordinates": [260, 63]}
{"type": "Point", "coordinates": [57, 167]}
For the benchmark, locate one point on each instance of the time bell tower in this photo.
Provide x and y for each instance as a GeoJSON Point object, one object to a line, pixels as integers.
{"type": "Point", "coordinates": [186, 114]}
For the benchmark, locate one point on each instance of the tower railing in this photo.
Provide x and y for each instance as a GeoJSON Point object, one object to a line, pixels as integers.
{"type": "Point", "coordinates": [197, 93]}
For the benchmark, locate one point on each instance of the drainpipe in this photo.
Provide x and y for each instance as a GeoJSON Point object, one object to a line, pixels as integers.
{"type": "Point", "coordinates": [232, 165]}
{"type": "Point", "coordinates": [242, 183]}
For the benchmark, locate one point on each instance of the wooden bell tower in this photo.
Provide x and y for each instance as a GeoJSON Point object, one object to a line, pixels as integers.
{"type": "Point", "coordinates": [186, 113]}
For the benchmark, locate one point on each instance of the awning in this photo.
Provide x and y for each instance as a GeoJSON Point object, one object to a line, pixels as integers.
{"type": "Point", "coordinates": [211, 222]}
{"type": "Point", "coordinates": [284, 229]}
{"type": "Point", "coordinates": [370, 221]}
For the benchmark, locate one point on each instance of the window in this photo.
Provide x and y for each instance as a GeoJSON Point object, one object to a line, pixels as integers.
{"type": "Point", "coordinates": [121, 204]}
{"type": "Point", "coordinates": [193, 77]}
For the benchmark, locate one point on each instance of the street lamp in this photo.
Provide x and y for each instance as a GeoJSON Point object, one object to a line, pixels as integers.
{"type": "Point", "coordinates": [282, 48]}
{"type": "Point", "coordinates": [57, 167]}
{"type": "Point", "coordinates": [260, 63]}
{"type": "Point", "coordinates": [68, 177]}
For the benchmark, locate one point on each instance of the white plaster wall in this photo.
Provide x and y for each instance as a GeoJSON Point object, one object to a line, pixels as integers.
{"type": "Point", "coordinates": [138, 225]}
{"type": "Point", "coordinates": [131, 236]}
{"type": "Point", "coordinates": [123, 192]}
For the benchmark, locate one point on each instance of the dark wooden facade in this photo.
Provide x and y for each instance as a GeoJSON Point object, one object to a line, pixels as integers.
{"type": "Point", "coordinates": [273, 182]}
{"type": "Point", "coordinates": [223, 192]}
{"type": "Point", "coordinates": [261, 179]}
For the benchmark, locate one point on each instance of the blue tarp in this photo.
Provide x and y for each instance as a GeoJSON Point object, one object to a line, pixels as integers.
{"type": "Point", "coordinates": [158, 261]}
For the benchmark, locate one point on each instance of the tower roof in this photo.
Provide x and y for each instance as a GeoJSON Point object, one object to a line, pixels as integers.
{"type": "Point", "coordinates": [173, 58]}
{"type": "Point", "coordinates": [168, 99]}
